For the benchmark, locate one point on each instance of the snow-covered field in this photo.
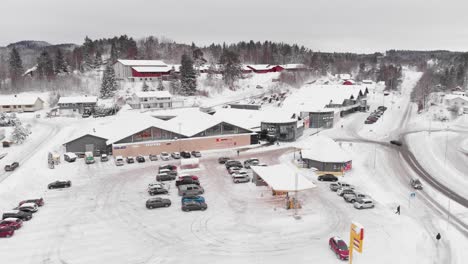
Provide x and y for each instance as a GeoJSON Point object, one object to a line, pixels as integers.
{"type": "Point", "coordinates": [102, 217]}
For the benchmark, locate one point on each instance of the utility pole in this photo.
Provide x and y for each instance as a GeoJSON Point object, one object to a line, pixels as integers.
{"type": "Point", "coordinates": [180, 133]}
{"type": "Point", "coordinates": [446, 146]}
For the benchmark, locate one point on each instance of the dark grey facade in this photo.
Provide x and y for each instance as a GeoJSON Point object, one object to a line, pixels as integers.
{"type": "Point", "coordinates": [320, 119]}
{"type": "Point", "coordinates": [286, 131]}
{"type": "Point", "coordinates": [77, 107]}
{"type": "Point", "coordinates": [87, 143]}
{"type": "Point", "coordinates": [246, 106]}
{"type": "Point", "coordinates": [327, 166]}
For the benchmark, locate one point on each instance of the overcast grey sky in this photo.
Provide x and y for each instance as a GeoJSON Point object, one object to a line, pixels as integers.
{"type": "Point", "coordinates": [326, 25]}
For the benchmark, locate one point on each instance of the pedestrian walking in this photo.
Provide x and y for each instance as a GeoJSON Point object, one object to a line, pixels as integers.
{"type": "Point", "coordinates": [238, 153]}
{"type": "Point", "coordinates": [397, 210]}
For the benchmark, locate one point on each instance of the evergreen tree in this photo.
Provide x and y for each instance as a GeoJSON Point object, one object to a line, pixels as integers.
{"type": "Point", "coordinates": [109, 85]}
{"type": "Point", "coordinates": [160, 85]}
{"type": "Point", "coordinates": [97, 60]}
{"type": "Point", "coordinates": [45, 66]}
{"type": "Point", "coordinates": [16, 67]}
{"type": "Point", "coordinates": [174, 83]}
{"type": "Point", "coordinates": [188, 76]}
{"type": "Point", "coordinates": [19, 134]}
{"type": "Point", "coordinates": [114, 53]}
{"type": "Point", "coordinates": [145, 87]}
{"type": "Point", "coordinates": [60, 65]}
{"type": "Point", "coordinates": [232, 68]}
{"type": "Point", "coordinates": [198, 59]}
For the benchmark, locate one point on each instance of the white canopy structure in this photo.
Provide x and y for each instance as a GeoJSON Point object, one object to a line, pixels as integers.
{"type": "Point", "coordinates": [282, 178]}
{"type": "Point", "coordinates": [324, 149]}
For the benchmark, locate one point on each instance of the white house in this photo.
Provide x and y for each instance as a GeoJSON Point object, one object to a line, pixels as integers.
{"type": "Point", "coordinates": [152, 99]}
{"type": "Point", "coordinates": [76, 103]}
{"type": "Point", "coordinates": [19, 103]}
{"type": "Point", "coordinates": [140, 69]}
{"type": "Point", "coordinates": [454, 100]}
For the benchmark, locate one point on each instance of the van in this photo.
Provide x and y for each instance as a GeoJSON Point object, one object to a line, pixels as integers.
{"type": "Point", "coordinates": [69, 156]}
{"type": "Point", "coordinates": [89, 157]}
{"type": "Point", "coordinates": [119, 161]}
{"type": "Point", "coordinates": [190, 190]}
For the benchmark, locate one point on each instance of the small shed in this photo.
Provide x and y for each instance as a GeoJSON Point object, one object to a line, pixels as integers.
{"type": "Point", "coordinates": [88, 142]}
{"type": "Point", "coordinates": [6, 143]}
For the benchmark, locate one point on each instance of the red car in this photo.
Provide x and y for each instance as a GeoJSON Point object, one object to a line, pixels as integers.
{"type": "Point", "coordinates": [193, 177]}
{"type": "Point", "coordinates": [38, 202]}
{"type": "Point", "coordinates": [14, 223]}
{"type": "Point", "coordinates": [339, 247]}
{"type": "Point", "coordinates": [6, 231]}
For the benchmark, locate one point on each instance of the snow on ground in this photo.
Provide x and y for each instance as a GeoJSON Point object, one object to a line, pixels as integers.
{"type": "Point", "coordinates": [464, 146]}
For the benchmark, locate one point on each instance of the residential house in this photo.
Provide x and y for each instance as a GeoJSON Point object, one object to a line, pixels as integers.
{"type": "Point", "coordinates": [20, 103]}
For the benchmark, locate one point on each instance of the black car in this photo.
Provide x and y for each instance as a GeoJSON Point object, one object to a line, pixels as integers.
{"type": "Point", "coordinates": [59, 184]}
{"type": "Point", "coordinates": [12, 167]}
{"type": "Point", "coordinates": [223, 160]}
{"type": "Point", "coordinates": [157, 190]}
{"type": "Point", "coordinates": [168, 167]}
{"type": "Point", "coordinates": [382, 108]}
{"type": "Point", "coordinates": [196, 154]}
{"type": "Point", "coordinates": [185, 154]}
{"type": "Point", "coordinates": [165, 177]}
{"type": "Point", "coordinates": [130, 160]}
{"type": "Point", "coordinates": [18, 214]}
{"type": "Point", "coordinates": [193, 206]}
{"type": "Point", "coordinates": [140, 159]}
{"type": "Point", "coordinates": [251, 162]}
{"type": "Point", "coordinates": [233, 163]}
{"type": "Point", "coordinates": [396, 142]}
{"type": "Point", "coordinates": [327, 177]}
{"type": "Point", "coordinates": [157, 202]}
{"type": "Point", "coordinates": [185, 181]}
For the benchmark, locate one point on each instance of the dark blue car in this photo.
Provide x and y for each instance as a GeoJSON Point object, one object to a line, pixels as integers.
{"type": "Point", "coordinates": [198, 199]}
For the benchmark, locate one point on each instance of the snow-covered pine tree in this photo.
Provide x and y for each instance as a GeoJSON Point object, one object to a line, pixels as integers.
{"type": "Point", "coordinates": [109, 85]}
{"type": "Point", "coordinates": [160, 85]}
{"type": "Point", "coordinates": [188, 76]}
{"type": "Point", "coordinates": [114, 53]}
{"type": "Point", "coordinates": [98, 60]}
{"type": "Point", "coordinates": [45, 66]}
{"type": "Point", "coordinates": [232, 68]}
{"type": "Point", "coordinates": [145, 87]}
{"type": "Point", "coordinates": [174, 85]}
{"type": "Point", "coordinates": [16, 67]}
{"type": "Point", "coordinates": [198, 59]}
{"type": "Point", "coordinates": [19, 134]}
{"type": "Point", "coordinates": [60, 65]}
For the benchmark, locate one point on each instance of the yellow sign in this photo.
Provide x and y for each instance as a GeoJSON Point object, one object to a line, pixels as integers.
{"type": "Point", "coordinates": [356, 238]}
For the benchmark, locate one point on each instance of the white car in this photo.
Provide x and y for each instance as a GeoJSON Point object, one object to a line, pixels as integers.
{"type": "Point", "coordinates": [240, 173]}
{"type": "Point", "coordinates": [345, 185]}
{"type": "Point", "coordinates": [119, 161]}
{"type": "Point", "coordinates": [343, 191]}
{"type": "Point", "coordinates": [233, 170]}
{"type": "Point", "coordinates": [165, 156]}
{"type": "Point", "coordinates": [238, 178]}
{"type": "Point", "coordinates": [364, 203]}
{"type": "Point", "coordinates": [157, 185]}
{"type": "Point", "coordinates": [175, 155]}
{"type": "Point", "coordinates": [28, 207]}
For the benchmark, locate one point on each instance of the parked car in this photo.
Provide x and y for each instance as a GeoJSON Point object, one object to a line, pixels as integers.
{"type": "Point", "coordinates": [364, 203]}
{"type": "Point", "coordinates": [38, 202]}
{"type": "Point", "coordinates": [69, 157]}
{"type": "Point", "coordinates": [185, 154]}
{"type": "Point", "coordinates": [232, 170]}
{"type": "Point", "coordinates": [168, 167]}
{"type": "Point", "coordinates": [240, 173]}
{"type": "Point", "coordinates": [89, 157]}
{"type": "Point", "coordinates": [12, 166]}
{"type": "Point", "coordinates": [251, 162]}
{"type": "Point", "coordinates": [165, 177]}
{"type": "Point", "coordinates": [222, 160]}
{"type": "Point", "coordinates": [59, 184]}
{"type": "Point", "coordinates": [104, 157]}
{"type": "Point", "coordinates": [156, 184]}
{"type": "Point", "coordinates": [233, 163]}
{"type": "Point", "coordinates": [193, 206]}
{"type": "Point", "coordinates": [416, 184]}
{"type": "Point", "coordinates": [339, 247]}
{"type": "Point", "coordinates": [165, 156]}
{"type": "Point", "coordinates": [345, 185]}
{"type": "Point", "coordinates": [343, 191]}
{"type": "Point", "coordinates": [352, 197]}
{"type": "Point", "coordinates": [153, 157]}
{"type": "Point", "coordinates": [334, 187]}
{"type": "Point", "coordinates": [369, 121]}
{"type": "Point", "coordinates": [193, 177]}
{"type": "Point", "coordinates": [169, 172]}
{"type": "Point", "coordinates": [119, 161]}
{"type": "Point", "coordinates": [17, 214]}
{"type": "Point", "coordinates": [27, 207]}
{"type": "Point", "coordinates": [157, 190]}
{"type": "Point", "coordinates": [157, 202]}
{"type": "Point", "coordinates": [327, 177]}
{"type": "Point", "coordinates": [199, 199]}
{"type": "Point", "coordinates": [175, 155]}
{"type": "Point", "coordinates": [6, 231]}
{"type": "Point", "coordinates": [140, 159]}
{"type": "Point", "coordinates": [190, 190]}
{"type": "Point", "coordinates": [240, 178]}
{"type": "Point", "coordinates": [130, 159]}
{"type": "Point", "coordinates": [396, 142]}
{"type": "Point", "coordinates": [382, 108]}
{"type": "Point", "coordinates": [186, 181]}
{"type": "Point", "coordinates": [196, 153]}
{"type": "Point", "coordinates": [14, 223]}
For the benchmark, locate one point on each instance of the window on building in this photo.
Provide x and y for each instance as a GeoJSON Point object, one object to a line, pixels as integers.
{"type": "Point", "coordinates": [229, 129]}
{"type": "Point", "coordinates": [144, 135]}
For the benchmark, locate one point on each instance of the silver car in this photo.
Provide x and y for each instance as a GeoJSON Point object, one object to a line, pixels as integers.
{"type": "Point", "coordinates": [352, 197]}
{"type": "Point", "coordinates": [334, 187]}
{"type": "Point", "coordinates": [238, 178]}
{"type": "Point", "coordinates": [190, 190]}
{"type": "Point", "coordinates": [364, 203]}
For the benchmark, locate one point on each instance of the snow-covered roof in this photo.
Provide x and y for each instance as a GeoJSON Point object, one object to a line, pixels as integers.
{"type": "Point", "coordinates": [344, 76]}
{"type": "Point", "coordinates": [176, 67]}
{"type": "Point", "coordinates": [245, 68]}
{"type": "Point", "coordinates": [367, 81]}
{"type": "Point", "coordinates": [261, 67]}
{"type": "Point", "coordinates": [318, 96]}
{"type": "Point", "coordinates": [18, 100]}
{"type": "Point", "coordinates": [454, 96]}
{"type": "Point", "coordinates": [77, 99]}
{"type": "Point", "coordinates": [33, 69]}
{"type": "Point", "coordinates": [11, 219]}
{"type": "Point", "coordinates": [294, 66]}
{"type": "Point", "coordinates": [152, 94]}
{"type": "Point", "coordinates": [165, 68]}
{"type": "Point", "coordinates": [324, 149]}
{"type": "Point", "coordinates": [280, 177]}
{"type": "Point", "coordinates": [252, 119]}
{"type": "Point", "coordinates": [142, 62]}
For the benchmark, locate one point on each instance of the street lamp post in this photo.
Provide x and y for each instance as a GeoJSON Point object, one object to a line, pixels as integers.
{"type": "Point", "coordinates": [446, 146]}
{"type": "Point", "coordinates": [179, 136]}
